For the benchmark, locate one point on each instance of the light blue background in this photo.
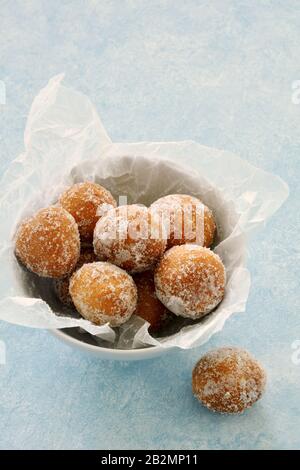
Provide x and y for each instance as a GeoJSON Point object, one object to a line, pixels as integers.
{"type": "Point", "coordinates": [221, 73]}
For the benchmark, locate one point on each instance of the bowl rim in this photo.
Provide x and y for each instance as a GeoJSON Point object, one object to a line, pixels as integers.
{"type": "Point", "coordinates": [150, 351]}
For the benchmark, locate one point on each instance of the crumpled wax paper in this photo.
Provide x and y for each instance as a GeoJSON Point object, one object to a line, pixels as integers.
{"type": "Point", "coordinates": [65, 142]}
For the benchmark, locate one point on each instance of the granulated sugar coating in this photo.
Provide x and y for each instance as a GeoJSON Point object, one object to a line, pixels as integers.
{"type": "Point", "coordinates": [61, 286]}
{"type": "Point", "coordinates": [190, 280]}
{"type": "Point", "coordinates": [103, 293]}
{"type": "Point", "coordinates": [130, 237]}
{"type": "Point", "coordinates": [190, 221]}
{"type": "Point", "coordinates": [228, 380]}
{"type": "Point", "coordinates": [48, 243]}
{"type": "Point", "coordinates": [83, 201]}
{"type": "Point", "coordinates": [149, 307]}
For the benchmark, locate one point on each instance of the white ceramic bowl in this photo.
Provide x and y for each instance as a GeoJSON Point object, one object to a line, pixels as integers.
{"type": "Point", "coordinates": [71, 337]}
{"type": "Point", "coordinates": [137, 179]}
{"type": "Point", "coordinates": [143, 182]}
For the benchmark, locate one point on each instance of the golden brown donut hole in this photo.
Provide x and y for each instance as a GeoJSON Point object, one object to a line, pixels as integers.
{"type": "Point", "coordinates": [228, 380]}
{"type": "Point", "coordinates": [149, 307]}
{"type": "Point", "coordinates": [48, 242]}
{"type": "Point", "coordinates": [190, 221]}
{"type": "Point", "coordinates": [83, 201]}
{"type": "Point", "coordinates": [103, 293]}
{"type": "Point", "coordinates": [130, 237]}
{"type": "Point", "coordinates": [190, 280]}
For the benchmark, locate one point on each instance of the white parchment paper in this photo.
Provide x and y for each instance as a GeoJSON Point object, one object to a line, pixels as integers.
{"type": "Point", "coordinates": [65, 142]}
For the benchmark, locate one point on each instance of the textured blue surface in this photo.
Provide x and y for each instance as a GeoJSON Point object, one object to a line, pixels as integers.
{"type": "Point", "coordinates": [218, 72]}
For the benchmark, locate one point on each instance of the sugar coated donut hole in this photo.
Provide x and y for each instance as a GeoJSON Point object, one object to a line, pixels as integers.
{"type": "Point", "coordinates": [61, 286]}
{"type": "Point", "coordinates": [190, 280]}
{"type": "Point", "coordinates": [149, 307]}
{"type": "Point", "coordinates": [228, 380]}
{"type": "Point", "coordinates": [48, 242]}
{"type": "Point", "coordinates": [130, 237]}
{"type": "Point", "coordinates": [189, 220]}
{"type": "Point", "coordinates": [103, 293]}
{"type": "Point", "coordinates": [83, 201]}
